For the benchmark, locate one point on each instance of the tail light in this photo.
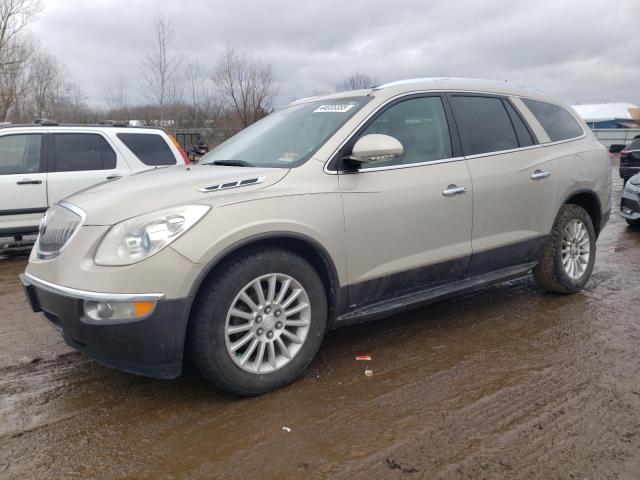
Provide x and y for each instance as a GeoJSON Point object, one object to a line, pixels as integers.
{"type": "Point", "coordinates": [175, 142]}
{"type": "Point", "coordinates": [624, 154]}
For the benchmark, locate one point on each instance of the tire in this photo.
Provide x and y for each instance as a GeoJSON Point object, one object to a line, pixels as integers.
{"type": "Point", "coordinates": [210, 341]}
{"type": "Point", "coordinates": [551, 273]}
{"type": "Point", "coordinates": [633, 223]}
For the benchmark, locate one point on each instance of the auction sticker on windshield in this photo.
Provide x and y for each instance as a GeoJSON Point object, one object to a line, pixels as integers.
{"type": "Point", "coordinates": [334, 108]}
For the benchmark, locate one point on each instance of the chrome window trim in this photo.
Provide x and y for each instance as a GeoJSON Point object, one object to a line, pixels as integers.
{"type": "Point", "coordinates": [453, 159]}
{"type": "Point", "coordinates": [569, 111]}
{"type": "Point", "coordinates": [87, 295]}
{"type": "Point", "coordinates": [83, 217]}
{"type": "Point", "coordinates": [408, 165]}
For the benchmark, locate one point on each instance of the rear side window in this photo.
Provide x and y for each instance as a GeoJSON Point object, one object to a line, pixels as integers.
{"type": "Point", "coordinates": [20, 154]}
{"type": "Point", "coordinates": [150, 148]}
{"type": "Point", "coordinates": [524, 137]}
{"type": "Point", "coordinates": [556, 121]}
{"type": "Point", "coordinates": [483, 124]}
{"type": "Point", "coordinates": [74, 152]}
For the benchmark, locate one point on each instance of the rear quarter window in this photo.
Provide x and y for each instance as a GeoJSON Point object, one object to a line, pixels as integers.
{"type": "Point", "coordinates": [150, 148]}
{"type": "Point", "coordinates": [556, 121]}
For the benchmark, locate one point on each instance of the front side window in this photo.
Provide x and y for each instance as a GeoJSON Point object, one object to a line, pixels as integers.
{"type": "Point", "coordinates": [556, 121]}
{"type": "Point", "coordinates": [420, 124]}
{"type": "Point", "coordinates": [288, 137]}
{"type": "Point", "coordinates": [20, 154]}
{"type": "Point", "coordinates": [150, 148]}
{"type": "Point", "coordinates": [483, 124]}
{"type": "Point", "coordinates": [75, 152]}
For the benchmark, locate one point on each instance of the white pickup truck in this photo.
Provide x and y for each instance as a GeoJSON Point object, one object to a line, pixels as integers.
{"type": "Point", "coordinates": [42, 163]}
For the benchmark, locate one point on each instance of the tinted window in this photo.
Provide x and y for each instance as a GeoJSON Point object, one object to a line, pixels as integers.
{"type": "Point", "coordinates": [82, 151]}
{"type": "Point", "coordinates": [20, 154]}
{"type": "Point", "coordinates": [524, 137]}
{"type": "Point", "coordinates": [420, 124]}
{"type": "Point", "coordinates": [150, 148]}
{"type": "Point", "coordinates": [483, 124]}
{"type": "Point", "coordinates": [556, 121]}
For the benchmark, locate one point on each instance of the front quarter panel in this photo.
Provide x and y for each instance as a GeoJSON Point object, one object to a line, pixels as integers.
{"type": "Point", "coordinates": [315, 214]}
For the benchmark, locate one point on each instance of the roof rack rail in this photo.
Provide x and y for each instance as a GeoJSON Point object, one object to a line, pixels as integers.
{"type": "Point", "coordinates": [45, 122]}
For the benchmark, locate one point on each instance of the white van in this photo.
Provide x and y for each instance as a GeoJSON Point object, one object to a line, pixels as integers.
{"type": "Point", "coordinates": [42, 163]}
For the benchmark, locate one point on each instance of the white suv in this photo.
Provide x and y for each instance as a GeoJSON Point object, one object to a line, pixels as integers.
{"type": "Point", "coordinates": [42, 163]}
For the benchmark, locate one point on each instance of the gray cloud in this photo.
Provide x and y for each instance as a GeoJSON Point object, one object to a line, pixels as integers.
{"type": "Point", "coordinates": [575, 50]}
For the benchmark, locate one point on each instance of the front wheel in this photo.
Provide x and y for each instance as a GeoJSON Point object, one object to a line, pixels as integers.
{"type": "Point", "coordinates": [568, 260]}
{"type": "Point", "coordinates": [258, 324]}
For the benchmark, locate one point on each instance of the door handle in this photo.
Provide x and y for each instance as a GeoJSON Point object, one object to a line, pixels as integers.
{"type": "Point", "coordinates": [539, 175]}
{"type": "Point", "coordinates": [111, 177]}
{"type": "Point", "coordinates": [29, 182]}
{"type": "Point", "coordinates": [454, 190]}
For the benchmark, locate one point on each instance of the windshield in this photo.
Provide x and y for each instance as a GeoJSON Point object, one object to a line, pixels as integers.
{"type": "Point", "coordinates": [287, 137]}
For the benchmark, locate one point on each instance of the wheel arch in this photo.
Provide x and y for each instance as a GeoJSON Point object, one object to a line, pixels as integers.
{"type": "Point", "coordinates": [588, 200]}
{"type": "Point", "coordinates": [308, 248]}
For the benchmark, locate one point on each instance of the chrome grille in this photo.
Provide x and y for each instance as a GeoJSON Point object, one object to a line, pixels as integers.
{"type": "Point", "coordinates": [56, 228]}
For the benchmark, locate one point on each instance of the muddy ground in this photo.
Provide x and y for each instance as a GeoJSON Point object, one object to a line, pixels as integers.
{"type": "Point", "coordinates": [508, 382]}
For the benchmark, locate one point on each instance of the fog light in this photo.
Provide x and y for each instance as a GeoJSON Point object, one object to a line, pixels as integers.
{"type": "Point", "coordinates": [102, 311]}
{"type": "Point", "coordinates": [626, 211]}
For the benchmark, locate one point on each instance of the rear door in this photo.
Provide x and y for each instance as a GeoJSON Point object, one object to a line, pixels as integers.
{"type": "Point", "coordinates": [513, 185]}
{"type": "Point", "coordinates": [78, 160]}
{"type": "Point", "coordinates": [23, 182]}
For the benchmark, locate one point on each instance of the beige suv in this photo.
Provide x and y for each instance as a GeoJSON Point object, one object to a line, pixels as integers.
{"type": "Point", "coordinates": [333, 210]}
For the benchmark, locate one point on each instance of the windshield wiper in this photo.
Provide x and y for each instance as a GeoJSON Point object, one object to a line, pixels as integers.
{"type": "Point", "coordinates": [231, 163]}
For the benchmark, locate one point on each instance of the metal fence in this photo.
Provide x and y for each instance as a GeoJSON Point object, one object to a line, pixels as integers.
{"type": "Point", "coordinates": [609, 136]}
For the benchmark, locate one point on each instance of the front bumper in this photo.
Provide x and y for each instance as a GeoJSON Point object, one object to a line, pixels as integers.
{"type": "Point", "coordinates": [630, 203]}
{"type": "Point", "coordinates": [628, 172]}
{"type": "Point", "coordinates": [152, 346]}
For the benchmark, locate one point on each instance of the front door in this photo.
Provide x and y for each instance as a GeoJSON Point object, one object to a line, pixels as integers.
{"type": "Point", "coordinates": [23, 183]}
{"type": "Point", "coordinates": [408, 221]}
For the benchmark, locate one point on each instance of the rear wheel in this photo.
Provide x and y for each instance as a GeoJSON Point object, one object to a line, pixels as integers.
{"type": "Point", "coordinates": [568, 260]}
{"type": "Point", "coordinates": [257, 325]}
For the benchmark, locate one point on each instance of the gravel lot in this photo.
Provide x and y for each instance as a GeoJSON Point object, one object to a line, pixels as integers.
{"type": "Point", "coordinates": [508, 382]}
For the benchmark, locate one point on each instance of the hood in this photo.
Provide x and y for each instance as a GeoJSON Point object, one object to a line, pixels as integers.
{"type": "Point", "coordinates": [113, 201]}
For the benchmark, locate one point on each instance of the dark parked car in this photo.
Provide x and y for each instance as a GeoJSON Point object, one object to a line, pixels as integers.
{"type": "Point", "coordinates": [630, 160]}
{"type": "Point", "coordinates": [630, 203]}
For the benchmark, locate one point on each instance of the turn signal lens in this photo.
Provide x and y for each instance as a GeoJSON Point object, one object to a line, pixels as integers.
{"type": "Point", "coordinates": [143, 308]}
{"type": "Point", "coordinates": [117, 311]}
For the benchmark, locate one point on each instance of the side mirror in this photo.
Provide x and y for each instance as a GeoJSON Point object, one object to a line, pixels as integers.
{"type": "Point", "coordinates": [375, 148]}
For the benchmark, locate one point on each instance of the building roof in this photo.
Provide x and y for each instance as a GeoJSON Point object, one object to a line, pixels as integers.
{"type": "Point", "coordinates": [600, 112]}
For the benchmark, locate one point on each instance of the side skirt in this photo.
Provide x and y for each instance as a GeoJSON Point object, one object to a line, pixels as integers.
{"type": "Point", "coordinates": [387, 307]}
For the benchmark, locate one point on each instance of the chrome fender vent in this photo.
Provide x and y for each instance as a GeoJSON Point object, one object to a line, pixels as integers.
{"type": "Point", "coordinates": [236, 184]}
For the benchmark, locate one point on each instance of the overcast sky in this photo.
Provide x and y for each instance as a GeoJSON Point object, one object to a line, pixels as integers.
{"type": "Point", "coordinates": [578, 50]}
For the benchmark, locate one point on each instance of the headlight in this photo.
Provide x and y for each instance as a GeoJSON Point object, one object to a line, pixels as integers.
{"type": "Point", "coordinates": [140, 237]}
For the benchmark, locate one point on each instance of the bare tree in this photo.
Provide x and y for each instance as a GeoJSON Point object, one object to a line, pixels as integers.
{"type": "Point", "coordinates": [116, 96]}
{"type": "Point", "coordinates": [161, 67]}
{"type": "Point", "coordinates": [356, 81]}
{"type": "Point", "coordinates": [15, 15]}
{"type": "Point", "coordinates": [43, 77]}
{"type": "Point", "coordinates": [247, 84]}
